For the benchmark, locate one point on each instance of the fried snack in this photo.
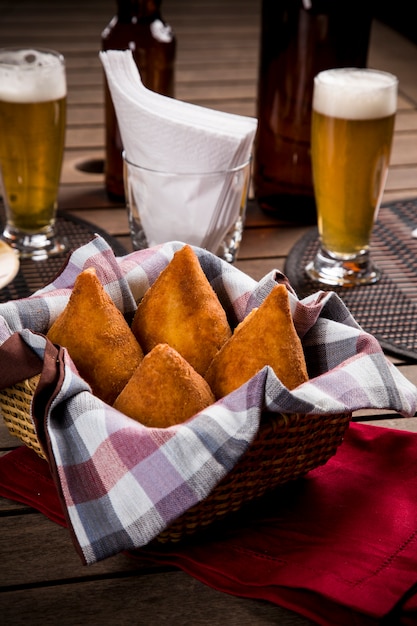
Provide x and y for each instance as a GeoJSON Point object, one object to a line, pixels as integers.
{"type": "Point", "coordinates": [164, 390]}
{"type": "Point", "coordinates": [267, 336]}
{"type": "Point", "coordinates": [97, 337]}
{"type": "Point", "coordinates": [182, 309]}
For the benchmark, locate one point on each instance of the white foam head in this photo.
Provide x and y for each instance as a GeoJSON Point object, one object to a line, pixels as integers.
{"type": "Point", "coordinates": [356, 94]}
{"type": "Point", "coordinates": [31, 75]}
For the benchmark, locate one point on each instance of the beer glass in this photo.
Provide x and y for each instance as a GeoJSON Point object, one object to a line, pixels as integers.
{"type": "Point", "coordinates": [32, 135]}
{"type": "Point", "coordinates": [352, 129]}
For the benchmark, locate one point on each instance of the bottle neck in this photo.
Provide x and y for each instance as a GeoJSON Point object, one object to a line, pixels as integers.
{"type": "Point", "coordinates": [144, 10]}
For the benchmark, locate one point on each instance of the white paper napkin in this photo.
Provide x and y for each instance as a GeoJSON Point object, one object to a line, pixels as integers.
{"type": "Point", "coordinates": [169, 135]}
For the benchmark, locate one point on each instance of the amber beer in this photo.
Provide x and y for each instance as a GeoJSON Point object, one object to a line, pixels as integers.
{"type": "Point", "coordinates": [32, 134]}
{"type": "Point", "coordinates": [352, 130]}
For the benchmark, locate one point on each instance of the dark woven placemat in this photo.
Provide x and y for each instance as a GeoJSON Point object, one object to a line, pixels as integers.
{"type": "Point", "coordinates": [387, 309]}
{"type": "Point", "coordinates": [34, 275]}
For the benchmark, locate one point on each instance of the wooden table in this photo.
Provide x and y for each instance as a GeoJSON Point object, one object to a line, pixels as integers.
{"type": "Point", "coordinates": [41, 578]}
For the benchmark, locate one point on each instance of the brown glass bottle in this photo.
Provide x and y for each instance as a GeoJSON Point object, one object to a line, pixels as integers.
{"type": "Point", "coordinates": [138, 26]}
{"type": "Point", "coordinates": [299, 38]}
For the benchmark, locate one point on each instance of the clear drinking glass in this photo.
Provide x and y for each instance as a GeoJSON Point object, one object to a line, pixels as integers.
{"type": "Point", "coordinates": [204, 209]}
{"type": "Point", "coordinates": [352, 130]}
{"type": "Point", "coordinates": [33, 95]}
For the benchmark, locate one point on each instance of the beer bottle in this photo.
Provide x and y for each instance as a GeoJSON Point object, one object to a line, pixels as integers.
{"type": "Point", "coordinates": [299, 38]}
{"type": "Point", "coordinates": [138, 26]}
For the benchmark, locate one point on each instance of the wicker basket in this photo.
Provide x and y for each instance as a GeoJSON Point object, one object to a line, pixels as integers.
{"type": "Point", "coordinates": [287, 447]}
{"type": "Point", "coordinates": [15, 406]}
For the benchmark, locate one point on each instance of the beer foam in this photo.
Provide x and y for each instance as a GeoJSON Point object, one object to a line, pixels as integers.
{"type": "Point", "coordinates": [355, 94]}
{"type": "Point", "coordinates": [31, 76]}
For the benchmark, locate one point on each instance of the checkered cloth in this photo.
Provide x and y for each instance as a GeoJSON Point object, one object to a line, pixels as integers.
{"type": "Point", "coordinates": [121, 483]}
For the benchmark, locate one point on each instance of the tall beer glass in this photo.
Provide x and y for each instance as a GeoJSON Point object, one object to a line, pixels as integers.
{"type": "Point", "coordinates": [352, 129]}
{"type": "Point", "coordinates": [32, 135]}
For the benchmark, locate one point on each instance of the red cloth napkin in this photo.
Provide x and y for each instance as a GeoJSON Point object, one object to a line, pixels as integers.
{"type": "Point", "coordinates": [339, 546]}
{"type": "Point", "coordinates": [25, 477]}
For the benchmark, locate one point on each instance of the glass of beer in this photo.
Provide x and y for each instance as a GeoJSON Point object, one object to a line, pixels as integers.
{"type": "Point", "coordinates": [33, 95]}
{"type": "Point", "coordinates": [352, 130]}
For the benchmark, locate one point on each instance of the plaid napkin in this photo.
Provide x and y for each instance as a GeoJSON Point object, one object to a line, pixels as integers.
{"type": "Point", "coordinates": [120, 483]}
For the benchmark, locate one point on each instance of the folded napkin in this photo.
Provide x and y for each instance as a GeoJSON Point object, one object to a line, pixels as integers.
{"type": "Point", "coordinates": [338, 546]}
{"type": "Point", "coordinates": [167, 135]}
{"type": "Point", "coordinates": [170, 135]}
{"type": "Point", "coordinates": [134, 481]}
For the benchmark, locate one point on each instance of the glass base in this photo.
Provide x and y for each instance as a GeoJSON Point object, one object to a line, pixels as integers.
{"type": "Point", "coordinates": [347, 272]}
{"type": "Point", "coordinates": [227, 251]}
{"type": "Point", "coordinates": [230, 245]}
{"type": "Point", "coordinates": [35, 246]}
